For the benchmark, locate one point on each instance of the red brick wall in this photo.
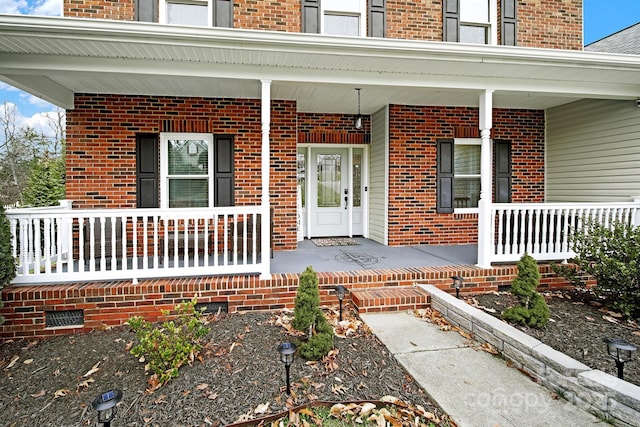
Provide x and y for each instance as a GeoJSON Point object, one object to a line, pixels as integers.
{"type": "Point", "coordinates": [101, 141]}
{"type": "Point", "coordinates": [113, 303]}
{"type": "Point", "coordinates": [120, 10]}
{"type": "Point", "coordinates": [272, 15]}
{"type": "Point", "coordinates": [331, 129]}
{"type": "Point", "coordinates": [553, 24]}
{"type": "Point", "coordinates": [412, 170]}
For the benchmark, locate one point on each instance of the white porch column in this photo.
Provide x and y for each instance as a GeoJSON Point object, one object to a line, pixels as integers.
{"type": "Point", "coordinates": [266, 203]}
{"type": "Point", "coordinates": [485, 232]}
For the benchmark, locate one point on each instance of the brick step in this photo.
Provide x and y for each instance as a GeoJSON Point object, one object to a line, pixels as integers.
{"type": "Point", "coordinates": [391, 298]}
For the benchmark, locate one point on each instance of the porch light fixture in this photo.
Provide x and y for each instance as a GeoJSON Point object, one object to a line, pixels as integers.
{"type": "Point", "coordinates": [621, 352]}
{"type": "Point", "coordinates": [340, 291]}
{"type": "Point", "coordinates": [287, 352]}
{"type": "Point", "coordinates": [106, 405]}
{"type": "Point", "coordinates": [457, 283]}
{"type": "Point", "coordinates": [358, 122]}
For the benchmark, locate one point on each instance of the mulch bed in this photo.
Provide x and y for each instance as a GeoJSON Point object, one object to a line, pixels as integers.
{"type": "Point", "coordinates": [240, 377]}
{"type": "Point", "coordinates": [578, 326]}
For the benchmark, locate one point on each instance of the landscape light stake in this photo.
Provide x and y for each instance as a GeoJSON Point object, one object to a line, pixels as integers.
{"type": "Point", "coordinates": [457, 283]}
{"type": "Point", "coordinates": [340, 291]}
{"type": "Point", "coordinates": [105, 404]}
{"type": "Point", "coordinates": [620, 351]}
{"type": "Point", "coordinates": [287, 352]}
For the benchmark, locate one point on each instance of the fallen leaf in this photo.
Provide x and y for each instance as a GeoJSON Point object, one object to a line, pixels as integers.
{"type": "Point", "coordinates": [56, 372]}
{"type": "Point", "coordinates": [367, 408]}
{"type": "Point", "coordinates": [262, 408]}
{"type": "Point", "coordinates": [338, 389]}
{"type": "Point", "coordinates": [212, 396]}
{"type": "Point", "coordinates": [39, 394]}
{"type": "Point", "coordinates": [85, 383]}
{"type": "Point", "coordinates": [589, 318]}
{"type": "Point", "coordinates": [610, 319]}
{"type": "Point", "coordinates": [61, 393]}
{"type": "Point", "coordinates": [234, 345]}
{"type": "Point", "coordinates": [14, 359]}
{"type": "Point", "coordinates": [28, 362]}
{"type": "Point", "coordinates": [202, 386]}
{"type": "Point", "coordinates": [93, 370]}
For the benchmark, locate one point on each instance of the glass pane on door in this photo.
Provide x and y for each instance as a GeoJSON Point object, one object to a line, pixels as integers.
{"type": "Point", "coordinates": [329, 180]}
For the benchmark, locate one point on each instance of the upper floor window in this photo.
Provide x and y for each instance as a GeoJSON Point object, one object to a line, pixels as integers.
{"type": "Point", "coordinates": [475, 22]}
{"type": "Point", "coordinates": [203, 13]}
{"type": "Point", "coordinates": [343, 17]}
{"type": "Point", "coordinates": [470, 21]}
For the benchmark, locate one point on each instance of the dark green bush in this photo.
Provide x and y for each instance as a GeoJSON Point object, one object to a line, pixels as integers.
{"type": "Point", "coordinates": [308, 318]}
{"type": "Point", "coordinates": [7, 262]}
{"type": "Point", "coordinates": [611, 255]}
{"type": "Point", "coordinates": [532, 309]}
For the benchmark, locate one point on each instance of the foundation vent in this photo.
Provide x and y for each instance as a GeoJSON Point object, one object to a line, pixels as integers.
{"type": "Point", "coordinates": [56, 319]}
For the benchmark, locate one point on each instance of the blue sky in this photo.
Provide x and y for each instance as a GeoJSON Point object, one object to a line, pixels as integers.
{"type": "Point", "coordinates": [601, 18]}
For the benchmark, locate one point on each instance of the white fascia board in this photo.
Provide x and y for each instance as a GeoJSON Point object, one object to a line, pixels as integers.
{"type": "Point", "coordinates": [130, 32]}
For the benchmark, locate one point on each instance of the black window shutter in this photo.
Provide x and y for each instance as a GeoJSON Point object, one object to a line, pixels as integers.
{"type": "Point", "coordinates": [310, 16]}
{"type": "Point", "coordinates": [147, 163]}
{"type": "Point", "coordinates": [377, 18]}
{"type": "Point", "coordinates": [445, 176]}
{"type": "Point", "coordinates": [509, 21]}
{"type": "Point", "coordinates": [503, 171]}
{"type": "Point", "coordinates": [451, 20]}
{"type": "Point", "coordinates": [223, 13]}
{"type": "Point", "coordinates": [223, 189]}
{"type": "Point", "coordinates": [146, 10]}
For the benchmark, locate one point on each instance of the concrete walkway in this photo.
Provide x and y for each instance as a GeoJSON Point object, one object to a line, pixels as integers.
{"type": "Point", "coordinates": [475, 388]}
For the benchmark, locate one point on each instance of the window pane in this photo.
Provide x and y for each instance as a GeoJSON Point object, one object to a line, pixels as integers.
{"type": "Point", "coordinates": [188, 193]}
{"type": "Point", "coordinates": [329, 180]}
{"type": "Point", "coordinates": [466, 192]}
{"type": "Point", "coordinates": [467, 160]}
{"type": "Point", "coordinates": [473, 34]}
{"type": "Point", "coordinates": [187, 14]}
{"type": "Point", "coordinates": [474, 11]}
{"type": "Point", "coordinates": [188, 157]}
{"type": "Point", "coordinates": [342, 25]}
{"type": "Point", "coordinates": [302, 176]}
{"type": "Point", "coordinates": [357, 180]}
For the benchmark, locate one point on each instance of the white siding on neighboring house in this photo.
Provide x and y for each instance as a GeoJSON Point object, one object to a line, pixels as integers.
{"type": "Point", "coordinates": [593, 152]}
{"type": "Point", "coordinates": [378, 178]}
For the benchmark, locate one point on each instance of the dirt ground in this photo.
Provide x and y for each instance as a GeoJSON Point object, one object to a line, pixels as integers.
{"type": "Point", "coordinates": [241, 377]}
{"type": "Point", "coordinates": [577, 327]}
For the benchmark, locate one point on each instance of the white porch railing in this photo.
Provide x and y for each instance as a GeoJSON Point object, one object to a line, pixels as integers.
{"type": "Point", "coordinates": [544, 230]}
{"type": "Point", "coordinates": [61, 245]}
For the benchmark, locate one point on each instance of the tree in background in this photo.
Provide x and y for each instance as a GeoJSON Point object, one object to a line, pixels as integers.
{"type": "Point", "coordinates": [7, 262]}
{"type": "Point", "coordinates": [31, 164]}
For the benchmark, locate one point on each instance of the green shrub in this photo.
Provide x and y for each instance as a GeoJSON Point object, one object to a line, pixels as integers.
{"type": "Point", "coordinates": [611, 255]}
{"type": "Point", "coordinates": [168, 346]}
{"type": "Point", "coordinates": [532, 309]}
{"type": "Point", "coordinates": [308, 318]}
{"type": "Point", "coordinates": [7, 262]}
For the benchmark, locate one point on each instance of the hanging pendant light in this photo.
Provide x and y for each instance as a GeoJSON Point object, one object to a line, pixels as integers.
{"type": "Point", "coordinates": [358, 122]}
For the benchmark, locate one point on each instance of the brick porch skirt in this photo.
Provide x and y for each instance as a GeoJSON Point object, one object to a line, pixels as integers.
{"type": "Point", "coordinates": [104, 304]}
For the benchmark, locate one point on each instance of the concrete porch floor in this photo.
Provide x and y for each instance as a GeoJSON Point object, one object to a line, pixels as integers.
{"type": "Point", "coordinates": [370, 255]}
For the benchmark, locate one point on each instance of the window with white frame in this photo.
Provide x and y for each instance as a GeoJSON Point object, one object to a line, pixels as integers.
{"type": "Point", "coordinates": [186, 170]}
{"type": "Point", "coordinates": [477, 21]}
{"type": "Point", "coordinates": [344, 17]}
{"type": "Point", "coordinates": [202, 13]}
{"type": "Point", "coordinates": [467, 172]}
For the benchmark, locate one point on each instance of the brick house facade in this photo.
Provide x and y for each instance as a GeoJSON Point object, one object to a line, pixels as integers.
{"type": "Point", "coordinates": [106, 126]}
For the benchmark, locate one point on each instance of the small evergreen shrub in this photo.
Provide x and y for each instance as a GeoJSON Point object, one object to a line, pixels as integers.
{"type": "Point", "coordinates": [308, 318]}
{"type": "Point", "coordinates": [611, 255]}
{"type": "Point", "coordinates": [168, 346]}
{"type": "Point", "coordinates": [532, 309]}
{"type": "Point", "coordinates": [7, 262]}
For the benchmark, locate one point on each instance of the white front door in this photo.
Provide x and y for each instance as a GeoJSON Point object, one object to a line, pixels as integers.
{"type": "Point", "coordinates": [329, 201]}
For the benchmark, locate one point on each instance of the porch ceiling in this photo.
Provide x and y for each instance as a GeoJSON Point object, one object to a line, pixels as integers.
{"type": "Point", "coordinates": [56, 57]}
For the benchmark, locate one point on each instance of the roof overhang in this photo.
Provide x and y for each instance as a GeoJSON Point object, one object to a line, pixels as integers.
{"type": "Point", "coordinates": [55, 58]}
